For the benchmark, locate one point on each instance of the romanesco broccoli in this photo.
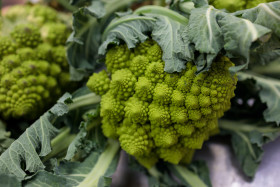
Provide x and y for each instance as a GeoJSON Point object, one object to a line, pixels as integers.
{"type": "Point", "coordinates": [157, 115]}
{"type": "Point", "coordinates": [33, 66]}
{"type": "Point", "coordinates": [235, 5]}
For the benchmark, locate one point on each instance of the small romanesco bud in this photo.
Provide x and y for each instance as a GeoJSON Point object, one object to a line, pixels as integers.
{"type": "Point", "coordinates": [164, 136]}
{"type": "Point", "coordinates": [42, 14]}
{"type": "Point", "coordinates": [26, 53]}
{"type": "Point", "coordinates": [160, 115]}
{"type": "Point", "coordinates": [26, 35]}
{"type": "Point", "coordinates": [134, 139]}
{"type": "Point", "coordinates": [144, 47]}
{"type": "Point", "coordinates": [148, 161]}
{"type": "Point", "coordinates": [99, 83]}
{"type": "Point", "coordinates": [162, 94]}
{"type": "Point", "coordinates": [44, 51]}
{"type": "Point", "coordinates": [122, 84]}
{"type": "Point", "coordinates": [154, 54]}
{"type": "Point", "coordinates": [7, 46]}
{"type": "Point", "coordinates": [55, 33]}
{"type": "Point", "coordinates": [144, 89]}
{"type": "Point", "coordinates": [109, 128]}
{"type": "Point", "coordinates": [138, 65]}
{"type": "Point", "coordinates": [117, 58]}
{"type": "Point", "coordinates": [155, 72]}
{"type": "Point", "coordinates": [172, 154]}
{"type": "Point", "coordinates": [136, 110]}
{"type": "Point", "coordinates": [112, 108]}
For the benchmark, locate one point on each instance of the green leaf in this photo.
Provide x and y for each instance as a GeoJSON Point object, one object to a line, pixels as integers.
{"type": "Point", "coordinates": [262, 13]}
{"type": "Point", "coordinates": [93, 171]}
{"type": "Point", "coordinates": [33, 144]}
{"type": "Point", "coordinates": [247, 139]}
{"type": "Point", "coordinates": [168, 34]}
{"type": "Point", "coordinates": [239, 35]}
{"type": "Point", "coordinates": [9, 181]}
{"type": "Point", "coordinates": [131, 29]}
{"type": "Point", "coordinates": [204, 30]}
{"type": "Point", "coordinates": [269, 94]}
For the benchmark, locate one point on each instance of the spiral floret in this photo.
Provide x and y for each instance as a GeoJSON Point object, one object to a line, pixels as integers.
{"type": "Point", "coordinates": [32, 73]}
{"type": "Point", "coordinates": [159, 115]}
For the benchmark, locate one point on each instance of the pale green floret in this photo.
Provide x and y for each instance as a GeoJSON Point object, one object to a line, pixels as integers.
{"type": "Point", "coordinates": [112, 108]}
{"type": "Point", "coordinates": [26, 53]}
{"type": "Point", "coordinates": [55, 33]}
{"type": "Point", "coordinates": [44, 51]}
{"type": "Point", "coordinates": [162, 94]}
{"type": "Point", "coordinates": [40, 14]}
{"type": "Point", "coordinates": [117, 58]}
{"type": "Point", "coordinates": [154, 54]}
{"type": "Point", "coordinates": [155, 72]}
{"type": "Point", "coordinates": [59, 56]}
{"type": "Point", "coordinates": [26, 35]}
{"type": "Point", "coordinates": [171, 79]}
{"type": "Point", "coordinates": [173, 154]}
{"type": "Point", "coordinates": [99, 83]}
{"type": "Point", "coordinates": [179, 114]}
{"type": "Point", "coordinates": [138, 65]}
{"type": "Point", "coordinates": [136, 110]}
{"type": "Point", "coordinates": [144, 47]}
{"type": "Point", "coordinates": [144, 89]}
{"type": "Point", "coordinates": [122, 84]}
{"type": "Point", "coordinates": [164, 136]}
{"type": "Point", "coordinates": [159, 115]}
{"type": "Point", "coordinates": [109, 128]}
{"type": "Point", "coordinates": [177, 98]}
{"type": "Point", "coordinates": [134, 139]}
{"type": "Point", "coordinates": [7, 46]}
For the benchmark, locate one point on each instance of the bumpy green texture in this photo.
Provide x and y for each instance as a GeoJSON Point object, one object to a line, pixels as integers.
{"type": "Point", "coordinates": [235, 5]}
{"type": "Point", "coordinates": [33, 66]}
{"type": "Point", "coordinates": [157, 115]}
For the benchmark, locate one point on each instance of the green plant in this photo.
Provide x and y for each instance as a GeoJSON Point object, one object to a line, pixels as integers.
{"type": "Point", "coordinates": [140, 61]}
{"type": "Point", "coordinates": [155, 114]}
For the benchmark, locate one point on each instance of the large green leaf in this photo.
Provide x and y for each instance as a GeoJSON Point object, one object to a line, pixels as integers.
{"type": "Point", "coordinates": [269, 94]}
{"type": "Point", "coordinates": [247, 139]}
{"type": "Point", "coordinates": [96, 170]}
{"type": "Point", "coordinates": [33, 144]}
{"type": "Point", "coordinates": [262, 13]}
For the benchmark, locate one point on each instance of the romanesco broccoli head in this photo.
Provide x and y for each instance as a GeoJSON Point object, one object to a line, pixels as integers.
{"type": "Point", "coordinates": [158, 115]}
{"type": "Point", "coordinates": [235, 5]}
{"type": "Point", "coordinates": [33, 66]}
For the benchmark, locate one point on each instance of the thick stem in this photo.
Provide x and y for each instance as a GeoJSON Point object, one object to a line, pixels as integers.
{"type": "Point", "coordinates": [102, 165]}
{"type": "Point", "coordinates": [232, 125]}
{"type": "Point", "coordinates": [60, 143]}
{"type": "Point", "coordinates": [85, 100]}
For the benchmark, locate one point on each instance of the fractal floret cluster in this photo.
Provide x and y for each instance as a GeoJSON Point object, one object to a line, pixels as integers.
{"type": "Point", "coordinates": [158, 115]}
{"type": "Point", "coordinates": [33, 66]}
